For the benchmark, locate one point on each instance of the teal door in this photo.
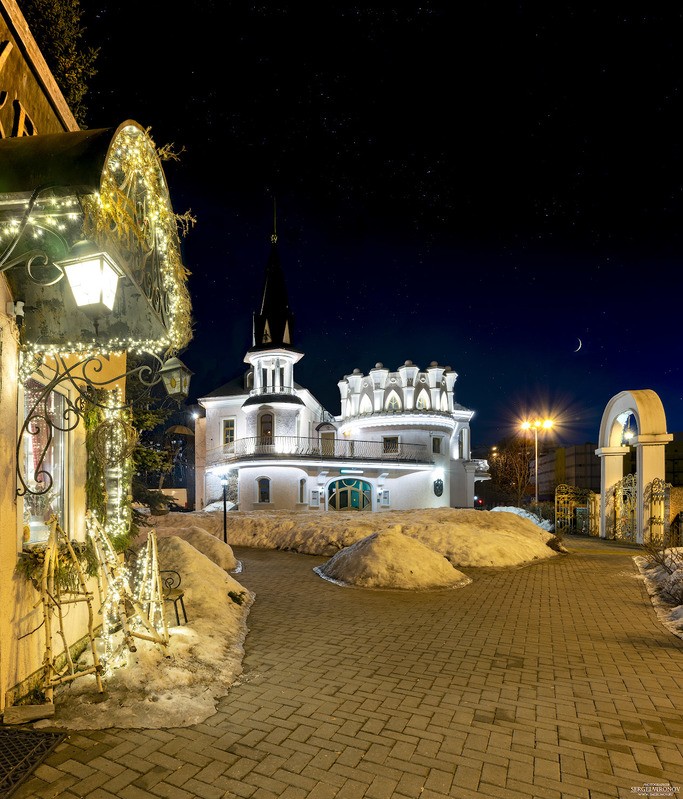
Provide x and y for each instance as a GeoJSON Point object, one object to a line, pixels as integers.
{"type": "Point", "coordinates": [349, 495]}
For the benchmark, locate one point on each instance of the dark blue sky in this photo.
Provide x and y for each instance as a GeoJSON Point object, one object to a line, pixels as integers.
{"type": "Point", "coordinates": [478, 188]}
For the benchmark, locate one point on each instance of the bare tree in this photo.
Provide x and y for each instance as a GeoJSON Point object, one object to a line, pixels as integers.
{"type": "Point", "coordinates": [509, 468]}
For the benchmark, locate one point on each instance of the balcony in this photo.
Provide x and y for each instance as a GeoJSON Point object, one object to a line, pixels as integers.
{"type": "Point", "coordinates": [287, 447]}
{"type": "Point", "coordinates": [276, 390]}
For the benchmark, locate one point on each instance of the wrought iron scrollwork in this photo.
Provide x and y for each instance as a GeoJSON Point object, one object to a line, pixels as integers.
{"type": "Point", "coordinates": [82, 391]}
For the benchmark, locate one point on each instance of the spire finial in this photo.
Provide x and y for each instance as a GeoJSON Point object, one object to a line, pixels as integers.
{"type": "Point", "coordinates": [273, 236]}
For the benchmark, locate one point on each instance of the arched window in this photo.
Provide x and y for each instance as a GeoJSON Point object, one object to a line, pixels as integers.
{"type": "Point", "coordinates": [266, 428]}
{"type": "Point", "coordinates": [302, 490]}
{"type": "Point", "coordinates": [263, 484]}
{"type": "Point", "coordinates": [366, 404]}
{"type": "Point", "coordinates": [393, 402]}
{"type": "Point", "coordinates": [423, 403]}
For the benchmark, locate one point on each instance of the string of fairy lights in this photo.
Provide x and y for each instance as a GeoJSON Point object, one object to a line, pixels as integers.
{"type": "Point", "coordinates": [132, 204]}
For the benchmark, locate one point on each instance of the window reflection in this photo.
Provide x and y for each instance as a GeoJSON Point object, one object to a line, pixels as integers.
{"type": "Point", "coordinates": [44, 461]}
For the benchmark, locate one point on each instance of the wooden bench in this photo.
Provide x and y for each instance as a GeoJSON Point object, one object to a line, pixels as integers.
{"type": "Point", "coordinates": [170, 583]}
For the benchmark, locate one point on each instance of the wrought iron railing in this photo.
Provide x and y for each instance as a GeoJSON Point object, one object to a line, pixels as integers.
{"type": "Point", "coordinates": [300, 447]}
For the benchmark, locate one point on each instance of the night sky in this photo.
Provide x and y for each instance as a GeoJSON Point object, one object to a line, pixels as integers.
{"type": "Point", "coordinates": [480, 188]}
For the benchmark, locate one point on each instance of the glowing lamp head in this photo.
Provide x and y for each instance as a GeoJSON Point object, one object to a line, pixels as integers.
{"type": "Point", "coordinates": [93, 277]}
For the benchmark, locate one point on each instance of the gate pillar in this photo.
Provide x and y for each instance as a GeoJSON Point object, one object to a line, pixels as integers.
{"type": "Point", "coordinates": [611, 472]}
{"type": "Point", "coordinates": [650, 465]}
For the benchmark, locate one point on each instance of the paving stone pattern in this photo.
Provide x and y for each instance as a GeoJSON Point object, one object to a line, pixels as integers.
{"type": "Point", "coordinates": [548, 681]}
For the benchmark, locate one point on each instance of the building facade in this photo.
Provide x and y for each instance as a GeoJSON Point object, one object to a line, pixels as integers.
{"type": "Point", "coordinates": [71, 200]}
{"type": "Point", "coordinates": [401, 440]}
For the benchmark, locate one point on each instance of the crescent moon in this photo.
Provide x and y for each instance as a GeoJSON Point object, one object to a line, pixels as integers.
{"type": "Point", "coordinates": [580, 345]}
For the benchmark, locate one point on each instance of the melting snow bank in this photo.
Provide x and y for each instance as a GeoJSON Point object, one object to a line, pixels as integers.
{"type": "Point", "coordinates": [178, 685]}
{"type": "Point", "coordinates": [466, 537]}
{"type": "Point", "coordinates": [391, 559]}
{"type": "Point", "coordinates": [525, 514]}
{"type": "Point", "coordinates": [661, 583]}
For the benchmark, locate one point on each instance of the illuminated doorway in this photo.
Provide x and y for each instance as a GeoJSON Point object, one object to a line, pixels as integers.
{"type": "Point", "coordinates": [349, 494]}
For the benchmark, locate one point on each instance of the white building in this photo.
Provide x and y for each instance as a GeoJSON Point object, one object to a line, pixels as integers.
{"type": "Point", "coordinates": [401, 440]}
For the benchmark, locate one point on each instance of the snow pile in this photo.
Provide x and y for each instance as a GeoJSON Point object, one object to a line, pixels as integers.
{"type": "Point", "coordinates": [207, 543]}
{"type": "Point", "coordinates": [391, 559]}
{"type": "Point", "coordinates": [177, 685]}
{"type": "Point", "coordinates": [525, 514]}
{"type": "Point", "coordinates": [466, 537]}
{"type": "Point", "coordinates": [664, 583]}
{"type": "Point", "coordinates": [180, 685]}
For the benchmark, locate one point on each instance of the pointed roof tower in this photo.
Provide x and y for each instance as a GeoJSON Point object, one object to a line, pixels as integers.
{"type": "Point", "coordinates": [272, 327]}
{"type": "Point", "coordinates": [271, 355]}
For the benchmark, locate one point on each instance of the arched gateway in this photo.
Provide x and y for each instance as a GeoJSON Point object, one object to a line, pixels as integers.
{"type": "Point", "coordinates": [650, 438]}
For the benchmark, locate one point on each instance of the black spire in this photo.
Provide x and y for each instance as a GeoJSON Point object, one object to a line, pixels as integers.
{"type": "Point", "coordinates": [273, 325]}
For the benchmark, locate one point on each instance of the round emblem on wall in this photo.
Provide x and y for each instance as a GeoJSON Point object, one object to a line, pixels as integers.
{"type": "Point", "coordinates": [438, 487]}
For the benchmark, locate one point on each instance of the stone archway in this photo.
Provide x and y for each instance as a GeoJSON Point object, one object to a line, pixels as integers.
{"type": "Point", "coordinates": [650, 440]}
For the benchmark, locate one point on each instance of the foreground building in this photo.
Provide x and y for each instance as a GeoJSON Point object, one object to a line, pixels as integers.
{"type": "Point", "coordinates": [401, 440]}
{"type": "Point", "coordinates": [71, 201]}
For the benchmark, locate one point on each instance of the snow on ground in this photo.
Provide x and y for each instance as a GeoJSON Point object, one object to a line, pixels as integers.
{"type": "Point", "coordinates": [472, 538]}
{"type": "Point", "coordinates": [176, 685]}
{"type": "Point", "coordinates": [664, 583]}
{"type": "Point", "coordinates": [533, 517]}
{"type": "Point", "coordinates": [179, 685]}
{"type": "Point", "coordinates": [391, 559]}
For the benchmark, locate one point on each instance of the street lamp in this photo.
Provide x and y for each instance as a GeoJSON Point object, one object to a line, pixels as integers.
{"type": "Point", "coordinates": [224, 483]}
{"type": "Point", "coordinates": [536, 425]}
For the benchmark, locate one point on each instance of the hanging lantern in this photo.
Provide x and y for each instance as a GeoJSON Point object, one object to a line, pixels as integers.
{"type": "Point", "coordinates": [93, 277]}
{"type": "Point", "coordinates": [176, 377]}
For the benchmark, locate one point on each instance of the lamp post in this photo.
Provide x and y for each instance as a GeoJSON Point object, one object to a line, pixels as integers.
{"type": "Point", "coordinates": [536, 425]}
{"type": "Point", "coordinates": [224, 483]}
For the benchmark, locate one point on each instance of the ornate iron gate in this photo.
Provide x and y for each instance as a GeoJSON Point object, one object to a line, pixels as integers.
{"type": "Point", "coordinates": [657, 497]}
{"type": "Point", "coordinates": [620, 511]}
{"type": "Point", "coordinates": [577, 510]}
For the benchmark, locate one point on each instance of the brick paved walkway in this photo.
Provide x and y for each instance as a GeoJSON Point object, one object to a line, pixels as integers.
{"type": "Point", "coordinates": [554, 680]}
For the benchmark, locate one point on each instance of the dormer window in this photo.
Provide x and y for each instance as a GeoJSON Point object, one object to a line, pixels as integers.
{"type": "Point", "coordinates": [423, 403]}
{"type": "Point", "coordinates": [393, 402]}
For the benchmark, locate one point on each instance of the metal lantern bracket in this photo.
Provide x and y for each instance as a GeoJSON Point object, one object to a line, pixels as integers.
{"type": "Point", "coordinates": [81, 378]}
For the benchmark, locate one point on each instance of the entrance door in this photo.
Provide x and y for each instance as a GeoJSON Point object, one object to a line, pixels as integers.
{"type": "Point", "coordinates": [349, 495]}
{"type": "Point", "coordinates": [327, 444]}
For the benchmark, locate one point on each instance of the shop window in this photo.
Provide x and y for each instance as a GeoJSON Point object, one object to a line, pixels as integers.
{"type": "Point", "coordinates": [44, 456]}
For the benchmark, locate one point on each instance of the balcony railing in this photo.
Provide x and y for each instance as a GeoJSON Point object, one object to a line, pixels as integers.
{"type": "Point", "coordinates": [298, 447]}
{"type": "Point", "coordinates": [255, 392]}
